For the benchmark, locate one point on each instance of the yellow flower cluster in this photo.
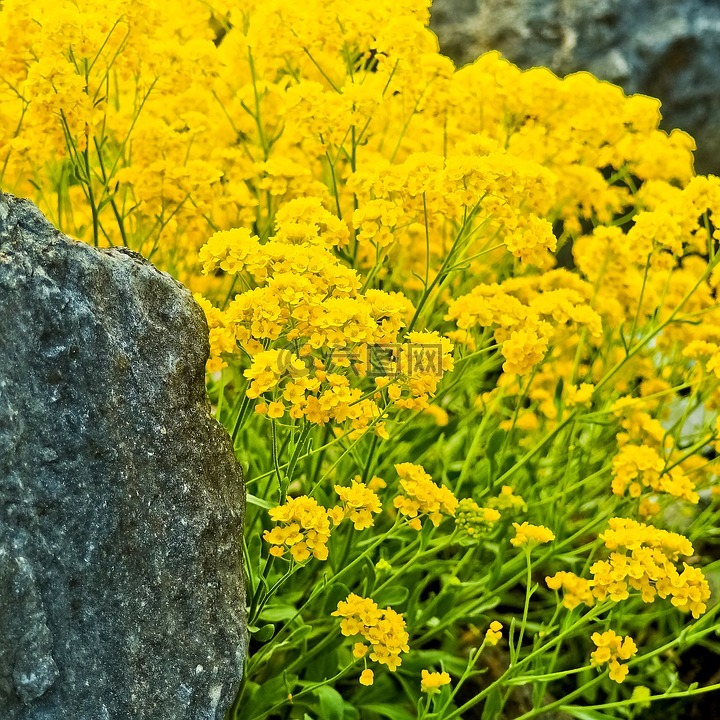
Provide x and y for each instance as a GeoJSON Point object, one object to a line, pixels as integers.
{"type": "Point", "coordinates": [304, 529]}
{"type": "Point", "coordinates": [611, 648]}
{"type": "Point", "coordinates": [494, 633]}
{"type": "Point", "coordinates": [636, 466]}
{"type": "Point", "coordinates": [644, 558]}
{"type": "Point", "coordinates": [425, 186]}
{"type": "Point", "coordinates": [527, 534]}
{"type": "Point", "coordinates": [523, 330]}
{"type": "Point", "coordinates": [474, 520]}
{"type": "Point", "coordinates": [360, 503]}
{"type": "Point", "coordinates": [508, 500]}
{"type": "Point", "coordinates": [431, 682]}
{"type": "Point", "coordinates": [211, 124]}
{"type": "Point", "coordinates": [422, 496]}
{"type": "Point", "coordinates": [421, 363]}
{"type": "Point", "coordinates": [333, 335]}
{"type": "Point", "coordinates": [708, 352]}
{"type": "Point", "coordinates": [580, 395]}
{"type": "Point", "coordinates": [575, 590]}
{"type": "Point", "coordinates": [384, 630]}
{"type": "Point", "coordinates": [302, 291]}
{"type": "Point", "coordinates": [357, 218]}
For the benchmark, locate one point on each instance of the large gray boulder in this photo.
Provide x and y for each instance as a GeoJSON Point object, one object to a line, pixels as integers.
{"type": "Point", "coordinates": [665, 48]}
{"type": "Point", "coordinates": [121, 503]}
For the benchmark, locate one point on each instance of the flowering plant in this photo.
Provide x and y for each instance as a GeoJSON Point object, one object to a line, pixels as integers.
{"type": "Point", "coordinates": [464, 336]}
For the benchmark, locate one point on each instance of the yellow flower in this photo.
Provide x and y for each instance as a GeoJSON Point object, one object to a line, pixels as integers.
{"type": "Point", "coordinates": [422, 496]}
{"type": "Point", "coordinates": [275, 410]}
{"type": "Point", "coordinates": [367, 677]}
{"type": "Point", "coordinates": [384, 629]}
{"type": "Point", "coordinates": [360, 650]}
{"type": "Point", "coordinates": [494, 633]}
{"type": "Point", "coordinates": [359, 503]}
{"type": "Point", "coordinates": [618, 672]}
{"type": "Point", "coordinates": [532, 236]}
{"type": "Point", "coordinates": [576, 590]}
{"type": "Point", "coordinates": [334, 152]}
{"type": "Point", "coordinates": [644, 558]}
{"type": "Point", "coordinates": [431, 682]}
{"type": "Point", "coordinates": [304, 529]}
{"type": "Point", "coordinates": [523, 349]}
{"type": "Point", "coordinates": [611, 648]}
{"type": "Point", "coordinates": [527, 534]}
{"type": "Point", "coordinates": [508, 500]}
{"type": "Point", "coordinates": [579, 395]}
{"type": "Point", "coordinates": [636, 466]}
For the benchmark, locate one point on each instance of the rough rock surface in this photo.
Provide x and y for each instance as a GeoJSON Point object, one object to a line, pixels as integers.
{"type": "Point", "coordinates": [121, 503]}
{"type": "Point", "coordinates": [665, 48]}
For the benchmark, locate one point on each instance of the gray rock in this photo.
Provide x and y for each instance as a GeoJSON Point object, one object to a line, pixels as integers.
{"type": "Point", "coordinates": [665, 48]}
{"type": "Point", "coordinates": [121, 502]}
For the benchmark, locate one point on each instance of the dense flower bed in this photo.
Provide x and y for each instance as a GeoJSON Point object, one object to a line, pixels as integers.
{"type": "Point", "coordinates": [464, 333]}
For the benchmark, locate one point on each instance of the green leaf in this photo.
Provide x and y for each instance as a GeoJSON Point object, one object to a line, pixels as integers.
{"type": "Point", "coordinates": [298, 634]}
{"type": "Point", "coordinates": [248, 693]}
{"type": "Point", "coordinates": [332, 705]}
{"type": "Point", "coordinates": [295, 637]}
{"type": "Point", "coordinates": [558, 394]}
{"type": "Point", "coordinates": [392, 595]}
{"type": "Point", "coordinates": [493, 705]}
{"type": "Point", "coordinates": [277, 613]}
{"type": "Point", "coordinates": [335, 593]}
{"type": "Point", "coordinates": [263, 633]}
{"type": "Point", "coordinates": [266, 695]}
{"type": "Point", "coordinates": [446, 601]}
{"type": "Point", "coordinates": [259, 502]}
{"type": "Point", "coordinates": [495, 443]}
{"type": "Point", "coordinates": [368, 574]}
{"type": "Point", "coordinates": [393, 712]}
{"type": "Point", "coordinates": [326, 664]}
{"type": "Point", "coordinates": [483, 476]}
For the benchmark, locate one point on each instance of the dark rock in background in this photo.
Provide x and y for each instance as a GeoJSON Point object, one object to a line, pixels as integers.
{"type": "Point", "coordinates": [121, 503]}
{"type": "Point", "coordinates": [669, 49]}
